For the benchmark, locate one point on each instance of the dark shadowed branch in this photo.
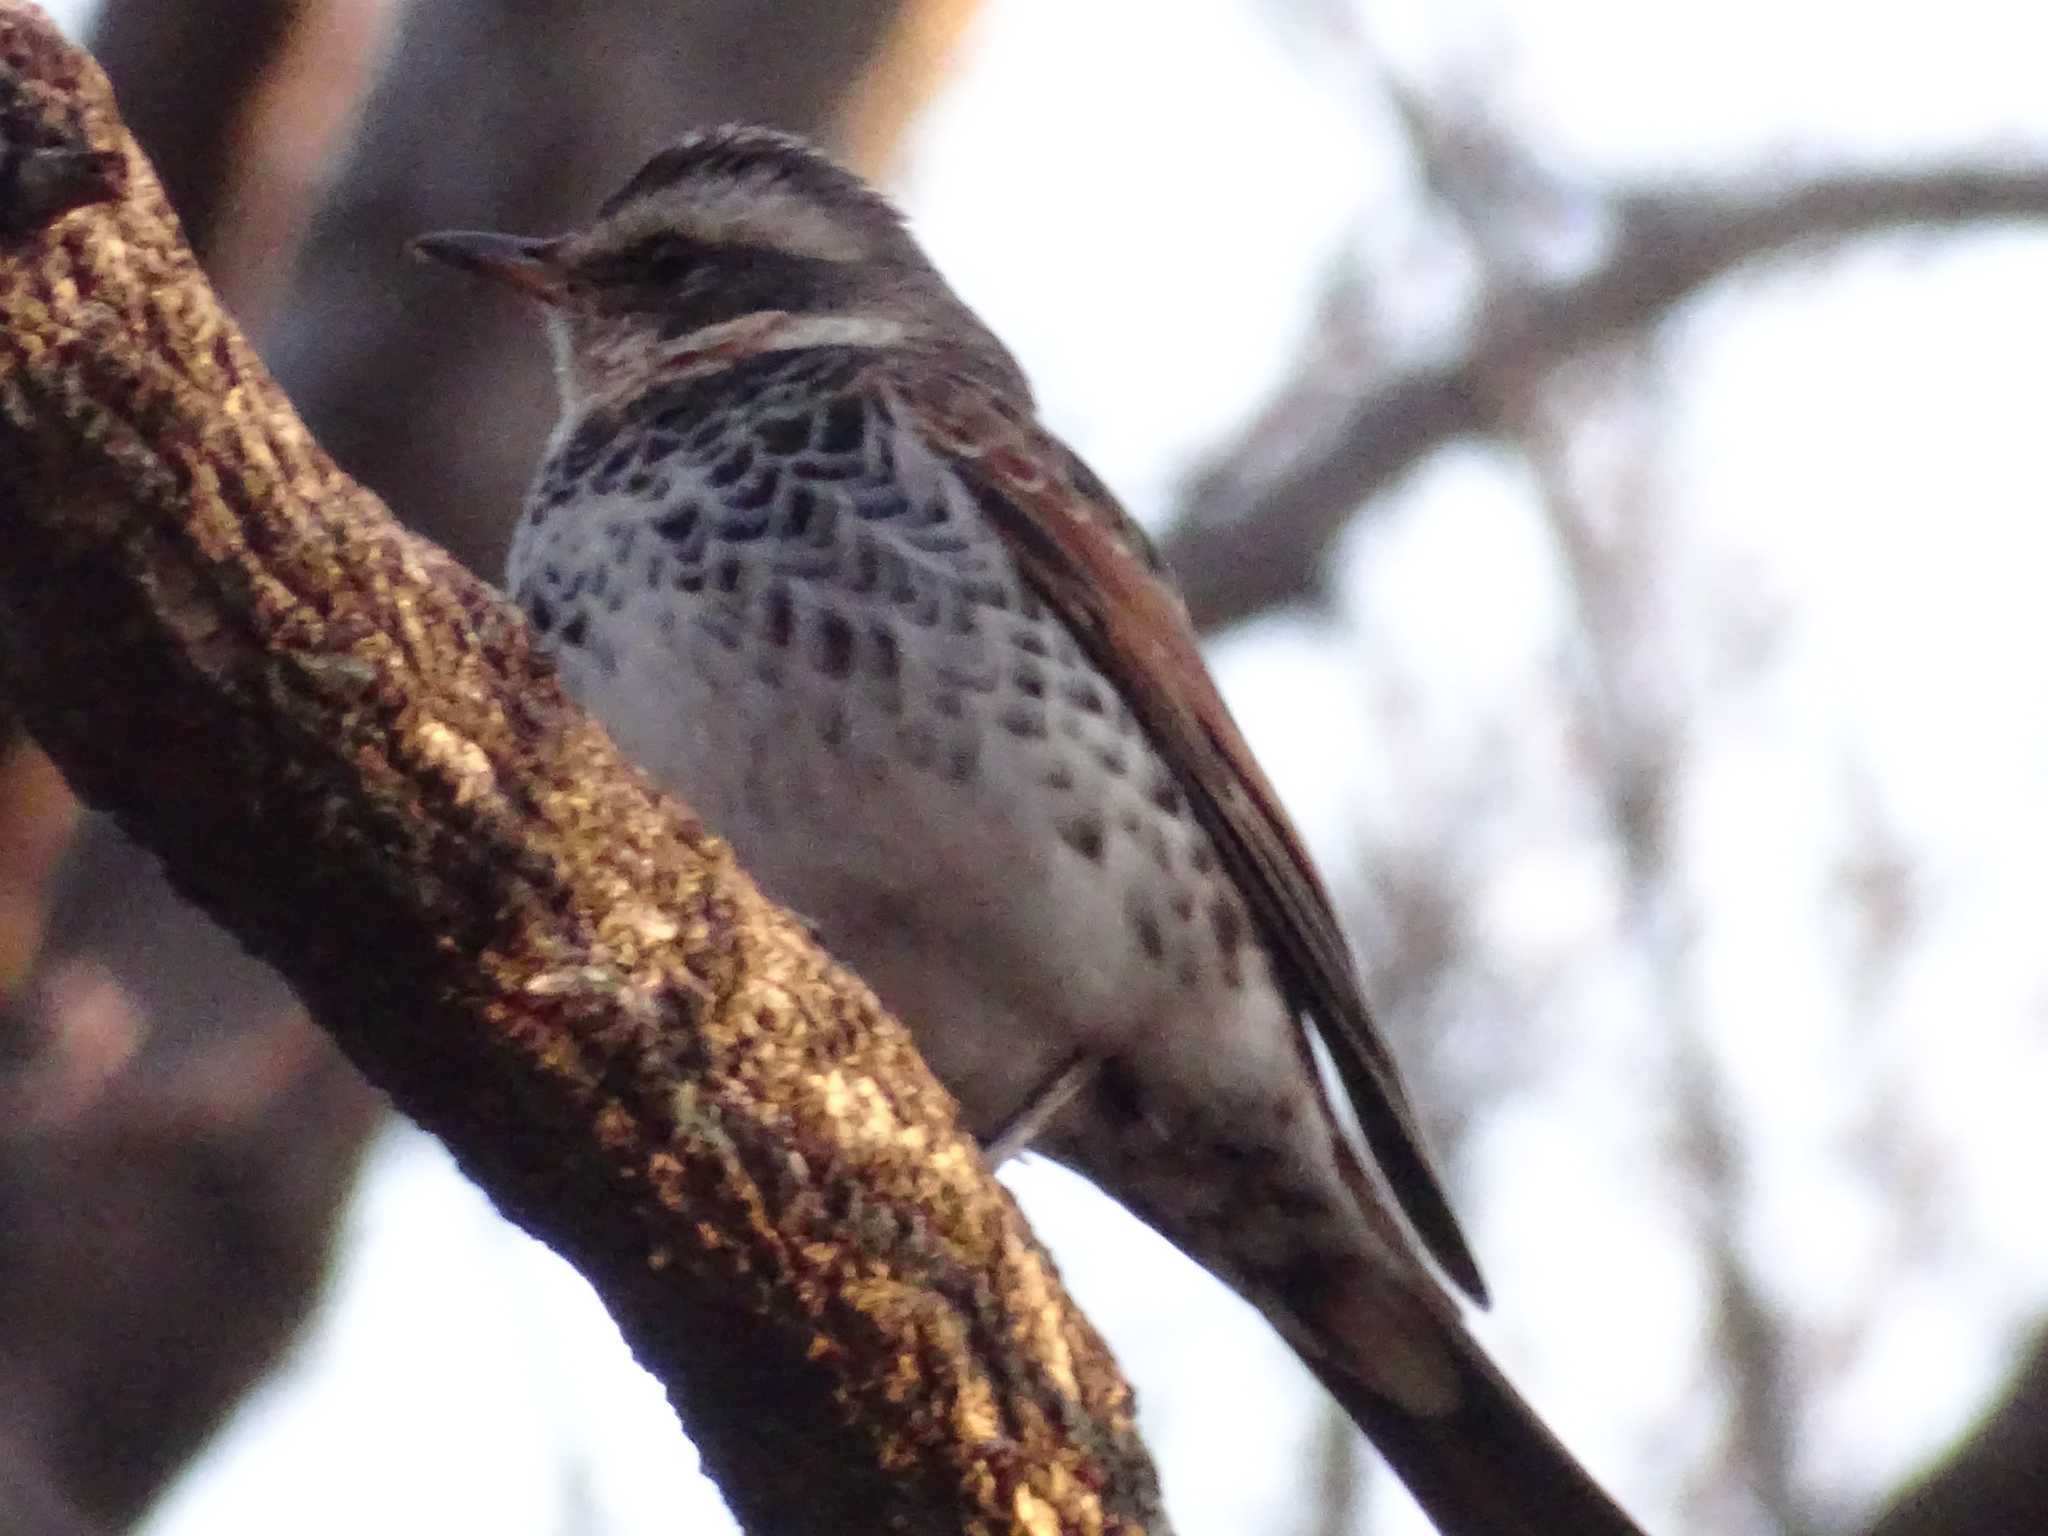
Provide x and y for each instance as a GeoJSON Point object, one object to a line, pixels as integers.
{"type": "Point", "coordinates": [349, 752]}
{"type": "Point", "coordinates": [1255, 524]}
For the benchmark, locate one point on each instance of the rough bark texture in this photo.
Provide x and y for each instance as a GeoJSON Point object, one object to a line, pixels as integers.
{"type": "Point", "coordinates": [348, 750]}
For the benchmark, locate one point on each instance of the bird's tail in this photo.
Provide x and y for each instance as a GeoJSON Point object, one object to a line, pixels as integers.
{"type": "Point", "coordinates": [1483, 1464]}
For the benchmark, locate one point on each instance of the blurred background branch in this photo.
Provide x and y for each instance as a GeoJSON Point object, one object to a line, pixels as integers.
{"type": "Point", "coordinates": [1255, 523]}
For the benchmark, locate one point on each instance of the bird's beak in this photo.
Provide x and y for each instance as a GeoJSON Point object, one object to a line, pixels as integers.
{"type": "Point", "coordinates": [531, 266]}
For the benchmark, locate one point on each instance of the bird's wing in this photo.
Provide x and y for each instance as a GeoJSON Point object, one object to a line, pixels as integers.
{"type": "Point", "coordinates": [1094, 566]}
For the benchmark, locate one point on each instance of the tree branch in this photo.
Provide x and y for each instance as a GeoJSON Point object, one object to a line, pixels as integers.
{"type": "Point", "coordinates": [1256, 523]}
{"type": "Point", "coordinates": [1994, 1480]}
{"type": "Point", "coordinates": [350, 752]}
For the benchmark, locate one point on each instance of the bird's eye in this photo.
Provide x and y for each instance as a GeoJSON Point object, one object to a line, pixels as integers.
{"type": "Point", "coordinates": [662, 260]}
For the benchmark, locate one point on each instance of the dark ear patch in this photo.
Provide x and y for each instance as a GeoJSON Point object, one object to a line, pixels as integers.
{"type": "Point", "coordinates": [661, 260]}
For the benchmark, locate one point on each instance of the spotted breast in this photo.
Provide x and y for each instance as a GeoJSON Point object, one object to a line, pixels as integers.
{"type": "Point", "coordinates": [782, 599]}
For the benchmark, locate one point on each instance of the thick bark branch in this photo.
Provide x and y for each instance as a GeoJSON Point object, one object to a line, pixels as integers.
{"type": "Point", "coordinates": [1255, 525]}
{"type": "Point", "coordinates": [349, 751]}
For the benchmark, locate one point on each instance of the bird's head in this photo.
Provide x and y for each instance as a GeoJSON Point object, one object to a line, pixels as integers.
{"type": "Point", "coordinates": [730, 241]}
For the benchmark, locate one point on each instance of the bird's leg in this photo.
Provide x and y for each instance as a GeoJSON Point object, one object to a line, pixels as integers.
{"type": "Point", "coordinates": [1016, 1133]}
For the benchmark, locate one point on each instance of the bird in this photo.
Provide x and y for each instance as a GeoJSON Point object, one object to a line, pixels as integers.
{"type": "Point", "coordinates": [801, 542]}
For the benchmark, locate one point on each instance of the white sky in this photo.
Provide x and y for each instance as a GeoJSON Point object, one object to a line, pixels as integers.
{"type": "Point", "coordinates": [1139, 196]}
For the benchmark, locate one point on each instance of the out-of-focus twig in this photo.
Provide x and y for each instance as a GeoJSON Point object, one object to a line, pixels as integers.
{"type": "Point", "coordinates": [37, 816]}
{"type": "Point", "coordinates": [1639, 712]}
{"type": "Point", "coordinates": [244, 104]}
{"type": "Point", "coordinates": [1340, 1488]}
{"type": "Point", "coordinates": [30, 1503]}
{"type": "Point", "coordinates": [1246, 541]}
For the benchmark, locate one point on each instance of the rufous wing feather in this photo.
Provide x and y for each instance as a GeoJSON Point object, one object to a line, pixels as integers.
{"type": "Point", "coordinates": [1094, 567]}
